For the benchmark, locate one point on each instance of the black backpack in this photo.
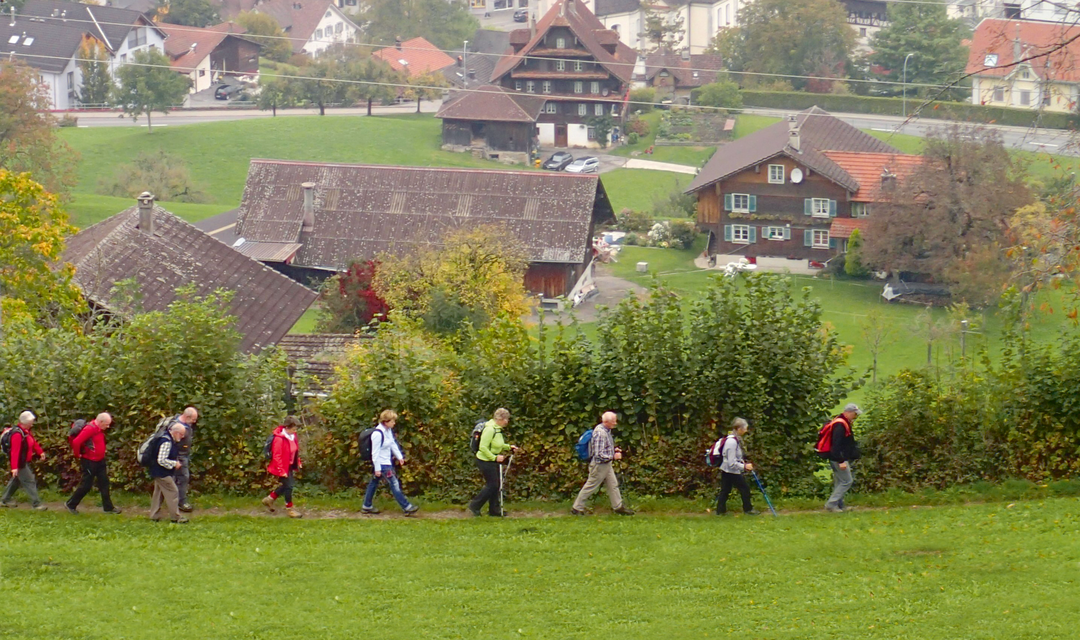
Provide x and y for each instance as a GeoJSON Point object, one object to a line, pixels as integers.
{"type": "Point", "coordinates": [364, 440]}
{"type": "Point", "coordinates": [147, 451]}
{"type": "Point", "coordinates": [268, 446]}
{"type": "Point", "coordinates": [477, 433]}
{"type": "Point", "coordinates": [5, 439]}
{"type": "Point", "coordinates": [76, 429]}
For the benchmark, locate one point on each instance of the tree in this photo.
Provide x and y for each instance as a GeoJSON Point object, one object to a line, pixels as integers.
{"type": "Point", "coordinates": [97, 86]}
{"type": "Point", "coordinates": [32, 232]}
{"type": "Point", "coordinates": [158, 172]}
{"type": "Point", "coordinates": [853, 263]}
{"type": "Point", "coordinates": [602, 126]}
{"type": "Point", "coordinates": [447, 25]}
{"type": "Point", "coordinates": [348, 301]}
{"type": "Point", "coordinates": [370, 79]}
{"type": "Point", "coordinates": [951, 213]}
{"type": "Point", "coordinates": [274, 94]}
{"type": "Point", "coordinates": [345, 75]}
{"type": "Point", "coordinates": [188, 13]}
{"type": "Point", "coordinates": [480, 269]}
{"type": "Point", "coordinates": [318, 84]}
{"type": "Point", "coordinates": [926, 30]}
{"type": "Point", "coordinates": [265, 30]}
{"type": "Point", "coordinates": [661, 30]}
{"type": "Point", "coordinates": [722, 93]}
{"type": "Point", "coordinates": [426, 86]}
{"type": "Point", "coordinates": [28, 140]}
{"type": "Point", "coordinates": [877, 333]}
{"type": "Point", "coordinates": [794, 39]}
{"type": "Point", "coordinates": [148, 84]}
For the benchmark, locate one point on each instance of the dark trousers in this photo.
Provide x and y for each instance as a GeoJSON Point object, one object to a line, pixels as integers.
{"type": "Point", "coordinates": [92, 470]}
{"type": "Point", "coordinates": [490, 492]}
{"type": "Point", "coordinates": [285, 490]}
{"type": "Point", "coordinates": [727, 481]}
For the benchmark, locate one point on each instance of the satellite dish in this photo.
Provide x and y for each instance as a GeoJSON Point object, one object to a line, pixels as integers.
{"type": "Point", "coordinates": [605, 92]}
{"type": "Point", "coordinates": [796, 175]}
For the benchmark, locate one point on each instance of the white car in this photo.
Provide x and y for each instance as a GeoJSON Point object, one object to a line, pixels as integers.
{"type": "Point", "coordinates": [584, 165]}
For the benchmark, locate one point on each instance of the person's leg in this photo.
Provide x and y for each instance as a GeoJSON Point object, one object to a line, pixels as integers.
{"type": "Point", "coordinates": [85, 484]}
{"type": "Point", "coordinates": [101, 471]}
{"type": "Point", "coordinates": [155, 501]}
{"type": "Point", "coordinates": [592, 484]}
{"type": "Point", "coordinates": [490, 472]}
{"type": "Point", "coordinates": [611, 483]}
{"type": "Point", "coordinates": [29, 484]}
{"type": "Point", "coordinates": [744, 491]}
{"type": "Point", "coordinates": [395, 488]}
{"type": "Point", "coordinates": [171, 496]}
{"type": "Point", "coordinates": [287, 484]}
{"type": "Point", "coordinates": [725, 491]}
{"type": "Point", "coordinates": [182, 480]}
{"type": "Point", "coordinates": [369, 495]}
{"type": "Point", "coordinates": [841, 483]}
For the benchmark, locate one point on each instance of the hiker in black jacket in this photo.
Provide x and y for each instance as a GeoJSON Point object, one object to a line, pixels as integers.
{"type": "Point", "coordinates": [842, 452]}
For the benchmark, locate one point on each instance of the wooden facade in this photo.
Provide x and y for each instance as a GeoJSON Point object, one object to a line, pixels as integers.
{"type": "Point", "coordinates": [496, 136]}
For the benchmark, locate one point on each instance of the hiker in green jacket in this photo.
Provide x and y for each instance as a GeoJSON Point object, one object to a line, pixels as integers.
{"type": "Point", "coordinates": [489, 456]}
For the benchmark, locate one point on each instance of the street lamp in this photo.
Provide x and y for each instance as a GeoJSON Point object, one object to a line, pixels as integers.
{"type": "Point", "coordinates": [904, 85]}
{"type": "Point", "coordinates": [465, 65]}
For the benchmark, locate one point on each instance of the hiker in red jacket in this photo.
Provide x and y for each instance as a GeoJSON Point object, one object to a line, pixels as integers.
{"type": "Point", "coordinates": [284, 461]}
{"type": "Point", "coordinates": [24, 448]}
{"type": "Point", "coordinates": [842, 451]}
{"type": "Point", "coordinates": [89, 450]}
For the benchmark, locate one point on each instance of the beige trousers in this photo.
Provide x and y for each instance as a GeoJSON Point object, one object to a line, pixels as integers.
{"type": "Point", "coordinates": [165, 489]}
{"type": "Point", "coordinates": [600, 474]}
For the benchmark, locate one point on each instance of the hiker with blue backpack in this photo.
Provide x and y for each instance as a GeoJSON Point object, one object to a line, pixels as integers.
{"type": "Point", "coordinates": [602, 454]}
{"type": "Point", "coordinates": [491, 448]}
{"type": "Point", "coordinates": [728, 454]}
{"type": "Point", "coordinates": [384, 450]}
{"type": "Point", "coordinates": [283, 452]}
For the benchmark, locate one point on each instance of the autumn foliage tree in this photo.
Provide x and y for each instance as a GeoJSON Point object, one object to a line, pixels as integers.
{"type": "Point", "coordinates": [348, 301]}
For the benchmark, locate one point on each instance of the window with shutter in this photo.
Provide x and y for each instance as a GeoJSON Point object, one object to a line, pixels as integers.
{"type": "Point", "coordinates": [740, 202]}
{"type": "Point", "coordinates": [808, 238]}
{"type": "Point", "coordinates": [753, 204]}
{"type": "Point", "coordinates": [727, 202]}
{"type": "Point", "coordinates": [743, 234]}
{"type": "Point", "coordinates": [820, 207]}
{"type": "Point", "coordinates": [727, 233]}
{"type": "Point", "coordinates": [820, 239]}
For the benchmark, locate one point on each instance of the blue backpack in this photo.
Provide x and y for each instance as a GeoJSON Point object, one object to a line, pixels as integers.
{"type": "Point", "coordinates": [582, 446]}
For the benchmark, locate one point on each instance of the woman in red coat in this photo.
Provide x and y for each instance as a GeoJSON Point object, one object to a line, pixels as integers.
{"type": "Point", "coordinates": [284, 460]}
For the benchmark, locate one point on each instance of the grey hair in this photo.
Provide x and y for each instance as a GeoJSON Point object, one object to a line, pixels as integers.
{"type": "Point", "coordinates": [26, 417]}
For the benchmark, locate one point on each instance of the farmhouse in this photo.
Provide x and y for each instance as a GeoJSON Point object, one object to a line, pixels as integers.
{"type": "Point", "coordinates": [497, 123]}
{"type": "Point", "coordinates": [789, 195]}
{"type": "Point", "coordinates": [675, 75]}
{"type": "Point", "coordinates": [161, 252]}
{"type": "Point", "coordinates": [311, 220]}
{"type": "Point", "coordinates": [208, 55]}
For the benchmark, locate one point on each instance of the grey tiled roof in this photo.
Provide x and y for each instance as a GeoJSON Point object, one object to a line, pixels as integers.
{"type": "Point", "coordinates": [110, 24]}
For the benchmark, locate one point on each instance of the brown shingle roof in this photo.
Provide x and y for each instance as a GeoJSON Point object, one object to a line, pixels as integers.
{"type": "Point", "coordinates": [491, 103]}
{"type": "Point", "coordinates": [416, 57]}
{"type": "Point", "coordinates": [179, 43]}
{"type": "Point", "coordinates": [266, 304]}
{"type": "Point", "coordinates": [705, 66]}
{"type": "Point", "coordinates": [362, 211]}
{"type": "Point", "coordinates": [818, 131]}
{"type": "Point", "coordinates": [316, 354]}
{"type": "Point", "coordinates": [867, 169]}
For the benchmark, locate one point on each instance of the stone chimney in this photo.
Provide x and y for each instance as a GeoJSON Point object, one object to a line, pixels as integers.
{"type": "Point", "coordinates": [146, 212]}
{"type": "Point", "coordinates": [793, 133]}
{"type": "Point", "coordinates": [397, 42]}
{"type": "Point", "coordinates": [309, 207]}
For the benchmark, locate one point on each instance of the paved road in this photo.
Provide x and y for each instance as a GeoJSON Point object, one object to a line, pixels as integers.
{"type": "Point", "coordinates": [196, 116]}
{"type": "Point", "coordinates": [1053, 141]}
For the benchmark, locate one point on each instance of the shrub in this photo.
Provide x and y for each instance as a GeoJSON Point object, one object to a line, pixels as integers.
{"type": "Point", "coordinates": [639, 126]}
{"type": "Point", "coordinates": [660, 235]}
{"type": "Point", "coordinates": [724, 94]}
{"type": "Point", "coordinates": [642, 100]}
{"type": "Point", "coordinates": [683, 233]}
{"type": "Point", "coordinates": [676, 205]}
{"type": "Point", "coordinates": [632, 138]}
{"type": "Point", "coordinates": [158, 172]}
{"type": "Point", "coordinates": [67, 120]}
{"type": "Point", "coordinates": [631, 220]}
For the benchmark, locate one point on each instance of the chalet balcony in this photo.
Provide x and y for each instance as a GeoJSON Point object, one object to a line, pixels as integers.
{"type": "Point", "coordinates": [560, 53]}
{"type": "Point", "coordinates": [537, 74]}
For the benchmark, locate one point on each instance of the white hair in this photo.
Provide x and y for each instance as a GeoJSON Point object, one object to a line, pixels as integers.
{"type": "Point", "coordinates": [26, 417]}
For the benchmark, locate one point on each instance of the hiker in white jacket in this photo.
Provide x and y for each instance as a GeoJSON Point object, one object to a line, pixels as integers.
{"type": "Point", "coordinates": [731, 469]}
{"type": "Point", "coordinates": [384, 450]}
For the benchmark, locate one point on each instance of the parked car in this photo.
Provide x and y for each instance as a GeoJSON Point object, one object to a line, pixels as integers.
{"type": "Point", "coordinates": [227, 91]}
{"type": "Point", "coordinates": [521, 15]}
{"type": "Point", "coordinates": [558, 161]}
{"type": "Point", "coordinates": [584, 165]}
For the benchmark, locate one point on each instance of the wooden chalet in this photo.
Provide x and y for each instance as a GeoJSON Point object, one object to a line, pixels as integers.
{"type": "Point", "coordinates": [311, 220]}
{"type": "Point", "coordinates": [500, 124]}
{"type": "Point", "coordinates": [792, 192]}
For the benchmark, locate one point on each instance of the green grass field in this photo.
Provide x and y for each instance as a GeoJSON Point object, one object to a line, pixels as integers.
{"type": "Point", "coordinates": [984, 571]}
{"type": "Point", "coordinates": [638, 188]}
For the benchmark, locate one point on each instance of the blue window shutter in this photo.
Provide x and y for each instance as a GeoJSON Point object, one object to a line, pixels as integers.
{"type": "Point", "coordinates": [753, 232]}
{"type": "Point", "coordinates": [808, 206]}
{"type": "Point", "coordinates": [727, 232]}
{"type": "Point", "coordinates": [787, 233]}
{"type": "Point", "coordinates": [808, 238]}
{"type": "Point", "coordinates": [832, 243]}
{"type": "Point", "coordinates": [727, 202]}
{"type": "Point", "coordinates": [753, 205]}
{"type": "Point", "coordinates": [832, 208]}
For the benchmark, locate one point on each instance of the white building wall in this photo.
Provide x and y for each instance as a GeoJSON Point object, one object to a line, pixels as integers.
{"type": "Point", "coordinates": [333, 28]}
{"type": "Point", "coordinates": [545, 133]}
{"type": "Point", "coordinates": [202, 77]}
{"type": "Point", "coordinates": [145, 38]}
{"type": "Point", "coordinates": [577, 136]}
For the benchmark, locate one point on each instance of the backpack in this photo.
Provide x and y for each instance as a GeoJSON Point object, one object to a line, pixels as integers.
{"type": "Point", "coordinates": [582, 446]}
{"type": "Point", "coordinates": [147, 451]}
{"type": "Point", "coordinates": [75, 430]}
{"type": "Point", "coordinates": [714, 457]}
{"type": "Point", "coordinates": [477, 432]}
{"type": "Point", "coordinates": [268, 447]}
{"type": "Point", "coordinates": [5, 439]}
{"type": "Point", "coordinates": [824, 438]}
{"type": "Point", "coordinates": [365, 443]}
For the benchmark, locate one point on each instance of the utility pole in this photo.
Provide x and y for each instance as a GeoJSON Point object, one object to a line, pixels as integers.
{"type": "Point", "coordinates": [904, 84]}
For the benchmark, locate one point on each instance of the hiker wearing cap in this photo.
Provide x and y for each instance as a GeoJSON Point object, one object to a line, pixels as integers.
{"type": "Point", "coordinates": [841, 450]}
{"type": "Point", "coordinates": [89, 450]}
{"type": "Point", "coordinates": [24, 448]}
{"type": "Point", "coordinates": [730, 450]}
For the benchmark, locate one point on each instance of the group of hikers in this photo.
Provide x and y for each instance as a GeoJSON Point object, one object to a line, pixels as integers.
{"type": "Point", "coordinates": [167, 457]}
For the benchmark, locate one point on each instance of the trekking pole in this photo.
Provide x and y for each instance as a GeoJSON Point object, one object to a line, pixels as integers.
{"type": "Point", "coordinates": [502, 472]}
{"type": "Point", "coordinates": [760, 486]}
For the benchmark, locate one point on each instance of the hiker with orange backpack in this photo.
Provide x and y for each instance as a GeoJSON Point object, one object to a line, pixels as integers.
{"type": "Point", "coordinates": [836, 443]}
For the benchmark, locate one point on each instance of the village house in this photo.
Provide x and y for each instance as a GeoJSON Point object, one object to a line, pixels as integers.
{"type": "Point", "coordinates": [206, 56]}
{"type": "Point", "coordinates": [162, 253]}
{"type": "Point", "coordinates": [311, 25]}
{"type": "Point", "coordinates": [495, 123]}
{"type": "Point", "coordinates": [579, 67]}
{"type": "Point", "coordinates": [675, 75]}
{"type": "Point", "coordinates": [1048, 82]}
{"type": "Point", "coordinates": [310, 220]}
{"type": "Point", "coordinates": [789, 195]}
{"type": "Point", "coordinates": [414, 57]}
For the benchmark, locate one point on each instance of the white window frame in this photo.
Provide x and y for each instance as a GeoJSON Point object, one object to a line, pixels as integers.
{"type": "Point", "coordinates": [518, 85]}
{"type": "Point", "coordinates": [860, 210]}
{"type": "Point", "coordinates": [583, 109]}
{"type": "Point", "coordinates": [773, 233]}
{"type": "Point", "coordinates": [598, 109]}
{"type": "Point", "coordinates": [816, 239]}
{"type": "Point", "coordinates": [579, 86]}
{"type": "Point", "coordinates": [560, 43]}
{"type": "Point", "coordinates": [579, 65]}
{"type": "Point", "coordinates": [546, 87]}
{"type": "Point", "coordinates": [560, 65]}
{"type": "Point", "coordinates": [740, 234]}
{"type": "Point", "coordinates": [816, 207]}
{"type": "Point", "coordinates": [530, 86]}
{"type": "Point", "coordinates": [998, 94]}
{"type": "Point", "coordinates": [783, 174]}
{"type": "Point", "coordinates": [1025, 98]}
{"type": "Point", "coordinates": [551, 107]}
{"type": "Point", "coordinates": [318, 34]}
{"type": "Point", "coordinates": [735, 208]}
{"type": "Point", "coordinates": [594, 87]}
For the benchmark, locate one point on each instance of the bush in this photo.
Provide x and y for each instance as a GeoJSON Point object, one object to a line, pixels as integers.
{"type": "Point", "coordinates": [632, 138]}
{"type": "Point", "coordinates": [724, 94]}
{"type": "Point", "coordinates": [158, 172]}
{"type": "Point", "coordinates": [676, 205]}
{"type": "Point", "coordinates": [683, 233]}
{"type": "Point", "coordinates": [630, 220]}
{"type": "Point", "coordinates": [639, 126]}
{"type": "Point", "coordinates": [646, 96]}
{"type": "Point", "coordinates": [67, 120]}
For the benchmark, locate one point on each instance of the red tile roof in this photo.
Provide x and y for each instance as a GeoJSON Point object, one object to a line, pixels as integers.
{"type": "Point", "coordinates": [842, 227]}
{"type": "Point", "coordinates": [188, 46]}
{"type": "Point", "coordinates": [1000, 41]}
{"type": "Point", "coordinates": [867, 169]}
{"type": "Point", "coordinates": [415, 57]}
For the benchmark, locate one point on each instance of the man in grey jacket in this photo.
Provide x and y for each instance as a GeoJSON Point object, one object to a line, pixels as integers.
{"type": "Point", "coordinates": [731, 469]}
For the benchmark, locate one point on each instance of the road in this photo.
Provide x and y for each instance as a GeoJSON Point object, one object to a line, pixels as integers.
{"type": "Point", "coordinates": [1055, 141]}
{"type": "Point", "coordinates": [196, 116]}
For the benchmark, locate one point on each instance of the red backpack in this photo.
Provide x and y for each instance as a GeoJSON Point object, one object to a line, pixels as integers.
{"type": "Point", "coordinates": [824, 438]}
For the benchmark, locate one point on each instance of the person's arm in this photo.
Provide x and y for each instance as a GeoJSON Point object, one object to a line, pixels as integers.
{"type": "Point", "coordinates": [485, 443]}
{"type": "Point", "coordinates": [731, 455]}
{"type": "Point", "coordinates": [395, 448]}
{"type": "Point", "coordinates": [163, 456]}
{"type": "Point", "coordinates": [375, 450]}
{"type": "Point", "coordinates": [79, 441]}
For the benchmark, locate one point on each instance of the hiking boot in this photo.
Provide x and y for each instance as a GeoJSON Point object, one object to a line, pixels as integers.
{"type": "Point", "coordinates": [39, 507]}
{"type": "Point", "coordinates": [293, 513]}
{"type": "Point", "coordinates": [752, 512]}
{"type": "Point", "coordinates": [268, 502]}
{"type": "Point", "coordinates": [624, 511]}
{"type": "Point", "coordinates": [187, 508]}
{"type": "Point", "coordinates": [475, 512]}
{"type": "Point", "coordinates": [72, 510]}
{"type": "Point", "coordinates": [114, 511]}
{"type": "Point", "coordinates": [369, 510]}
{"type": "Point", "coordinates": [9, 504]}
{"type": "Point", "coordinates": [576, 512]}
{"type": "Point", "coordinates": [181, 520]}
{"type": "Point", "coordinates": [833, 509]}
{"type": "Point", "coordinates": [411, 509]}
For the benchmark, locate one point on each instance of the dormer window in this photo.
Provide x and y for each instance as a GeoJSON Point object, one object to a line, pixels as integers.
{"type": "Point", "coordinates": [1024, 75]}
{"type": "Point", "coordinates": [560, 43]}
{"type": "Point", "coordinates": [990, 60]}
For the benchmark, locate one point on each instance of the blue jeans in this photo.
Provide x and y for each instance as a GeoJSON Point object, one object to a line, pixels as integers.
{"type": "Point", "coordinates": [395, 487]}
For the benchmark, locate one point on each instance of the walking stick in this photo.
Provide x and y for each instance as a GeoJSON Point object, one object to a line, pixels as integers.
{"type": "Point", "coordinates": [759, 486]}
{"type": "Point", "coordinates": [509, 462]}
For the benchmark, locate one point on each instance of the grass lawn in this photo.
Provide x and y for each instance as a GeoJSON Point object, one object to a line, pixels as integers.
{"type": "Point", "coordinates": [692, 156]}
{"type": "Point", "coordinates": [307, 322]}
{"type": "Point", "coordinates": [637, 188]}
{"type": "Point", "coordinates": [979, 571]}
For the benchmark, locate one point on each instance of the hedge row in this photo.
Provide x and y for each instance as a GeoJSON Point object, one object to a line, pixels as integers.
{"type": "Point", "coordinates": [962, 111]}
